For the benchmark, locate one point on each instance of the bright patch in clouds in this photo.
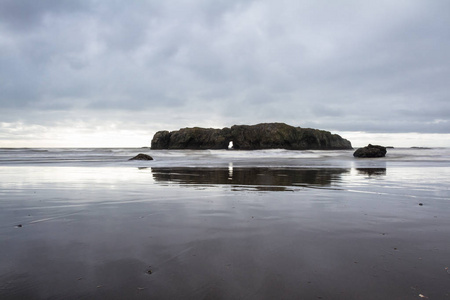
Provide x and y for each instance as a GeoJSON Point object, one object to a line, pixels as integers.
{"type": "Point", "coordinates": [78, 135]}
{"type": "Point", "coordinates": [84, 135]}
{"type": "Point", "coordinates": [411, 139]}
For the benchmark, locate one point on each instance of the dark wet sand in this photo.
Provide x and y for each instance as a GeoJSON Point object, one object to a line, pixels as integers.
{"type": "Point", "coordinates": [105, 233]}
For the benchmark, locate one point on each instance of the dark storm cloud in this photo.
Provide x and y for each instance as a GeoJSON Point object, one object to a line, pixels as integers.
{"type": "Point", "coordinates": [350, 65]}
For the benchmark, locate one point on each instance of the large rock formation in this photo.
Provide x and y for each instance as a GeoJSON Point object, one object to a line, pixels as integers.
{"type": "Point", "coordinates": [245, 137]}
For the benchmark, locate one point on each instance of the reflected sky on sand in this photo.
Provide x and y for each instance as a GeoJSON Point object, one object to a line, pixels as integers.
{"type": "Point", "coordinates": [224, 233]}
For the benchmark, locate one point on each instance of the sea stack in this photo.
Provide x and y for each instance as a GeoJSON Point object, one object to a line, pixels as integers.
{"type": "Point", "coordinates": [370, 151]}
{"type": "Point", "coordinates": [250, 137]}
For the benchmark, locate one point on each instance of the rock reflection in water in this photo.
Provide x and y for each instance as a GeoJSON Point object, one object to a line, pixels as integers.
{"type": "Point", "coordinates": [372, 171]}
{"type": "Point", "coordinates": [259, 178]}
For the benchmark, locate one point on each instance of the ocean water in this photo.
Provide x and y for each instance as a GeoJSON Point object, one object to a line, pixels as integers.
{"type": "Point", "coordinates": [277, 158]}
{"type": "Point", "coordinates": [219, 224]}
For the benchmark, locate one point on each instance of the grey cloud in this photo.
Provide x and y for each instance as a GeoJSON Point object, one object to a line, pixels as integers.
{"type": "Point", "coordinates": [350, 66]}
{"type": "Point", "coordinates": [25, 15]}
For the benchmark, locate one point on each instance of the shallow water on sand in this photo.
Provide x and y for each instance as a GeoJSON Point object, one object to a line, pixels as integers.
{"type": "Point", "coordinates": [323, 228]}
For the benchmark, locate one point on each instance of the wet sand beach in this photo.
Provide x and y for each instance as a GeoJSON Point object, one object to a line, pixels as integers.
{"type": "Point", "coordinates": [355, 232]}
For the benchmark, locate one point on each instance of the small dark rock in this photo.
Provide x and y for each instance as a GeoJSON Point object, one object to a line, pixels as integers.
{"type": "Point", "coordinates": [370, 151]}
{"type": "Point", "coordinates": [421, 204]}
{"type": "Point", "coordinates": [142, 156]}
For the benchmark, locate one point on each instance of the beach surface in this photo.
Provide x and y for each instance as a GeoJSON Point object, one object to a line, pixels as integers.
{"type": "Point", "coordinates": [274, 224]}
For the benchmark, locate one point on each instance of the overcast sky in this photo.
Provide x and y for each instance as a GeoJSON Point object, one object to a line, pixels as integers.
{"type": "Point", "coordinates": [113, 72]}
